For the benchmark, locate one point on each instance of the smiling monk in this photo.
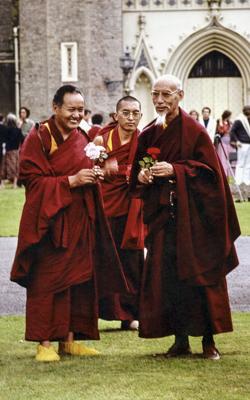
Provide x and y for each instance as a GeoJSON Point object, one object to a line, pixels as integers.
{"type": "Point", "coordinates": [65, 254]}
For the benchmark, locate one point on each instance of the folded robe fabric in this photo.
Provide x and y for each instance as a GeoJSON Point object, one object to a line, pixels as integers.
{"type": "Point", "coordinates": [207, 224]}
{"type": "Point", "coordinates": [117, 198]}
{"type": "Point", "coordinates": [192, 225]}
{"type": "Point", "coordinates": [72, 219]}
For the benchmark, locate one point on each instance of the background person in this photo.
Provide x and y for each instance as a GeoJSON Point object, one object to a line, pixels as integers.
{"type": "Point", "coordinates": [97, 120]}
{"type": "Point", "coordinates": [85, 123]}
{"type": "Point", "coordinates": [208, 122]}
{"type": "Point", "coordinates": [222, 141]}
{"type": "Point", "coordinates": [240, 139]}
{"type": "Point", "coordinates": [13, 140]}
{"type": "Point", "coordinates": [194, 114]}
{"type": "Point", "coordinates": [192, 225]}
{"type": "Point", "coordinates": [25, 122]}
{"type": "Point", "coordinates": [3, 134]}
{"type": "Point", "coordinates": [87, 115]}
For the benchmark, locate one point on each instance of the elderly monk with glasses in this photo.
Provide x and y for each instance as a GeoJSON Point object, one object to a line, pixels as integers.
{"type": "Point", "coordinates": [192, 226]}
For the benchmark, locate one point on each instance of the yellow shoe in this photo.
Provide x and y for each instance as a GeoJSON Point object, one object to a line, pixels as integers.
{"type": "Point", "coordinates": [46, 354]}
{"type": "Point", "coordinates": [76, 349]}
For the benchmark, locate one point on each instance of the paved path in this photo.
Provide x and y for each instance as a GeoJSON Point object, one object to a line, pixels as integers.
{"type": "Point", "coordinates": [12, 296]}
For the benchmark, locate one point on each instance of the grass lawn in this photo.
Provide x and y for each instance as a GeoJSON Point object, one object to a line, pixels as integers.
{"type": "Point", "coordinates": [11, 203]}
{"type": "Point", "coordinates": [127, 369]}
{"type": "Point", "coordinates": [243, 212]}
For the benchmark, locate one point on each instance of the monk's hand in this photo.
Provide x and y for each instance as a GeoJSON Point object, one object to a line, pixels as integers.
{"type": "Point", "coordinates": [83, 177]}
{"type": "Point", "coordinates": [145, 176]}
{"type": "Point", "coordinates": [162, 169]}
{"type": "Point", "coordinates": [98, 172]}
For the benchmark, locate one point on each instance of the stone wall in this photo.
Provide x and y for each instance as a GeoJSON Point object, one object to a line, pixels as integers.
{"type": "Point", "coordinates": [33, 57]}
{"type": "Point", "coordinates": [95, 25]}
{"type": "Point", "coordinates": [6, 59]}
{"type": "Point", "coordinates": [105, 30]}
{"type": "Point", "coordinates": [5, 26]}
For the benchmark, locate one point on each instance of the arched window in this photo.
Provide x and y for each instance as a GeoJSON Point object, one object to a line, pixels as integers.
{"type": "Point", "coordinates": [214, 64]}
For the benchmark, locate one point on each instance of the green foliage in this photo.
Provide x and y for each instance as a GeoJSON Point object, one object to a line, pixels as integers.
{"type": "Point", "coordinates": [129, 368]}
{"type": "Point", "coordinates": [147, 162]}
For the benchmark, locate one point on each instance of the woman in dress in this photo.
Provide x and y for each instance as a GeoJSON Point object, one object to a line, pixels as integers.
{"type": "Point", "coordinates": [14, 139]}
{"type": "Point", "coordinates": [222, 141]}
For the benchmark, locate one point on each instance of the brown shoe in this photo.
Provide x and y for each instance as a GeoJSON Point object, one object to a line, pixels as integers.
{"type": "Point", "coordinates": [210, 352]}
{"type": "Point", "coordinates": [177, 350]}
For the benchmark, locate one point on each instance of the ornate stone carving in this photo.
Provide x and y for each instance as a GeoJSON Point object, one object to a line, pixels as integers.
{"type": "Point", "coordinates": [142, 60]}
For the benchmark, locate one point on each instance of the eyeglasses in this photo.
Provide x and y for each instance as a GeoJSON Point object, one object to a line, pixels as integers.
{"type": "Point", "coordinates": [165, 95]}
{"type": "Point", "coordinates": [133, 114]}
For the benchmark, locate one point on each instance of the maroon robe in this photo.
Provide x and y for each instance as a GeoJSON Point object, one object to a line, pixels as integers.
{"type": "Point", "coordinates": [125, 218]}
{"type": "Point", "coordinates": [65, 254]}
{"type": "Point", "coordinates": [93, 132]}
{"type": "Point", "coordinates": [184, 288]}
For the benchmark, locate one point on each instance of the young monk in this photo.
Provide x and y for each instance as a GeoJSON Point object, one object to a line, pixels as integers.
{"type": "Point", "coordinates": [124, 214]}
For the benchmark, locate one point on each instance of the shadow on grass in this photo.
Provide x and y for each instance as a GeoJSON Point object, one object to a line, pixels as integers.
{"type": "Point", "coordinates": [111, 330]}
{"type": "Point", "coordinates": [193, 356]}
{"type": "Point", "coordinates": [117, 329]}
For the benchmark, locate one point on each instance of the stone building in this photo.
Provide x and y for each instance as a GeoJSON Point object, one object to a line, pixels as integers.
{"type": "Point", "coordinates": [206, 43]}
{"type": "Point", "coordinates": [77, 41]}
{"type": "Point", "coordinates": [7, 70]}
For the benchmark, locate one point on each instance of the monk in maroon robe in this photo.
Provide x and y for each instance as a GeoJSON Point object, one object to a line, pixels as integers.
{"type": "Point", "coordinates": [65, 255]}
{"type": "Point", "coordinates": [192, 226]}
{"type": "Point", "coordinates": [96, 126]}
{"type": "Point", "coordinates": [124, 214]}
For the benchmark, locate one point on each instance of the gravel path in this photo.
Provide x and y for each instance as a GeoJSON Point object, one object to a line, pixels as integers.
{"type": "Point", "coordinates": [12, 296]}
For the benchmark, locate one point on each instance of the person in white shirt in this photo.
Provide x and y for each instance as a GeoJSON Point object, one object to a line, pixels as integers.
{"type": "Point", "coordinates": [208, 122]}
{"type": "Point", "coordinates": [85, 123]}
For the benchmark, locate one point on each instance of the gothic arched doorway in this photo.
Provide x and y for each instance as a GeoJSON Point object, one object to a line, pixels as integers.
{"type": "Point", "coordinates": [214, 81]}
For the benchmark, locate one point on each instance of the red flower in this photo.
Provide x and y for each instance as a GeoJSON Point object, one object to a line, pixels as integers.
{"type": "Point", "coordinates": [153, 152]}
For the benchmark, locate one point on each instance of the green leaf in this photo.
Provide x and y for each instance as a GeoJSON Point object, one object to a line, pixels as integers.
{"type": "Point", "coordinates": [142, 164]}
